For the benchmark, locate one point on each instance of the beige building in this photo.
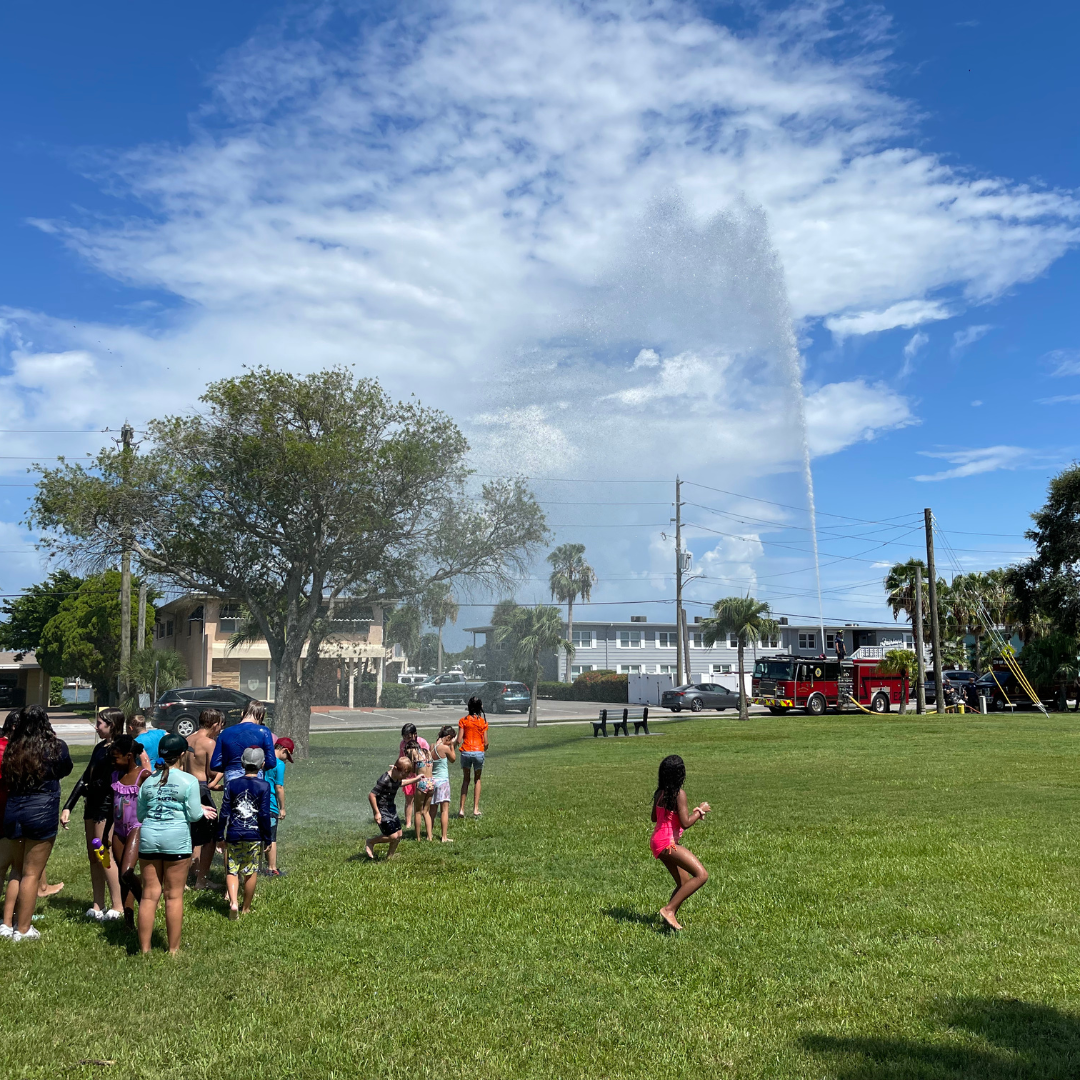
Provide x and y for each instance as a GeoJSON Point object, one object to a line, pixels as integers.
{"type": "Point", "coordinates": [22, 682]}
{"type": "Point", "coordinates": [199, 628]}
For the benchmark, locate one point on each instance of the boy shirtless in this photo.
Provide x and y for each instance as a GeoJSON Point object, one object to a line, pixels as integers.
{"type": "Point", "coordinates": [203, 743]}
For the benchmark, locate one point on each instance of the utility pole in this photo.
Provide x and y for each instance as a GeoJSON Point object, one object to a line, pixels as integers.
{"type": "Point", "coordinates": [920, 662]}
{"type": "Point", "coordinates": [680, 618]}
{"type": "Point", "coordinates": [127, 433]}
{"type": "Point", "coordinates": [935, 629]}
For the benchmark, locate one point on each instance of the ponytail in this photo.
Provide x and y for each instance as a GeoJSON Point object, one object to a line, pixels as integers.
{"type": "Point", "coordinates": [170, 760]}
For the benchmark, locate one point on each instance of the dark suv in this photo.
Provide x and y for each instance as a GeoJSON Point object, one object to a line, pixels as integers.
{"type": "Point", "coordinates": [500, 696]}
{"type": "Point", "coordinates": [178, 710]}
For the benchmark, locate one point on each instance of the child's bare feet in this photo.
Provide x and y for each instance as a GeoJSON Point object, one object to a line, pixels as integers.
{"type": "Point", "coordinates": [670, 919]}
{"type": "Point", "coordinates": [447, 840]}
{"type": "Point", "coordinates": [234, 913]}
{"type": "Point", "coordinates": [51, 890]}
{"type": "Point", "coordinates": [368, 851]}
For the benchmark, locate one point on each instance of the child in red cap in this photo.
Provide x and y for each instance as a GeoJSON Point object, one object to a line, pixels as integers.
{"type": "Point", "coordinates": [283, 751]}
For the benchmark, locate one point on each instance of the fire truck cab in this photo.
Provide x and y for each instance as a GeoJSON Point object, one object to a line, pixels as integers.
{"type": "Point", "coordinates": [816, 684]}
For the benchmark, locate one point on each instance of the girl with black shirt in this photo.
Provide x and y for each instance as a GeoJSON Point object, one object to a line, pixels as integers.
{"type": "Point", "coordinates": [35, 761]}
{"type": "Point", "coordinates": [95, 786]}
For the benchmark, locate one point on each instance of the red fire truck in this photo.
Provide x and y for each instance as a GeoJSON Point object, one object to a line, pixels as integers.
{"type": "Point", "coordinates": [784, 683]}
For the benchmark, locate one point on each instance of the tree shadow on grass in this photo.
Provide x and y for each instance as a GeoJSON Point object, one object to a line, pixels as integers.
{"type": "Point", "coordinates": [1020, 1040]}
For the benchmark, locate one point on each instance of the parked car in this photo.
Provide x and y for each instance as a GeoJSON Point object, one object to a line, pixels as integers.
{"type": "Point", "coordinates": [1001, 688]}
{"type": "Point", "coordinates": [500, 696]}
{"type": "Point", "coordinates": [958, 678]}
{"type": "Point", "coordinates": [412, 680]}
{"type": "Point", "coordinates": [698, 696]}
{"type": "Point", "coordinates": [178, 710]}
{"type": "Point", "coordinates": [451, 688]}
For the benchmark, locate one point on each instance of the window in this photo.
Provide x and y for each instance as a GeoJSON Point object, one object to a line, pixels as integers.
{"type": "Point", "coordinates": [159, 629]}
{"type": "Point", "coordinates": [807, 641]}
{"type": "Point", "coordinates": [667, 669]}
{"type": "Point", "coordinates": [629, 669]}
{"type": "Point", "coordinates": [721, 669]}
{"type": "Point", "coordinates": [770, 641]}
{"type": "Point", "coordinates": [733, 641]}
{"type": "Point", "coordinates": [667, 639]}
{"type": "Point", "coordinates": [583, 639]}
{"type": "Point", "coordinates": [629, 639]}
{"type": "Point", "coordinates": [168, 628]}
{"type": "Point", "coordinates": [577, 669]}
{"type": "Point", "coordinates": [830, 641]}
{"type": "Point", "coordinates": [695, 641]}
{"type": "Point", "coordinates": [228, 617]}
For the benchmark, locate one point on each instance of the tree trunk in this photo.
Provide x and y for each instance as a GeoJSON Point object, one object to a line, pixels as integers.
{"type": "Point", "coordinates": [569, 634]}
{"type": "Point", "coordinates": [744, 710]}
{"type": "Point", "coordinates": [292, 704]}
{"type": "Point", "coordinates": [439, 672]}
{"type": "Point", "coordinates": [535, 685]}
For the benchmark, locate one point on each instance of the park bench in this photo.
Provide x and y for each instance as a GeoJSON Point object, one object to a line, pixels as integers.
{"type": "Point", "coordinates": [618, 718]}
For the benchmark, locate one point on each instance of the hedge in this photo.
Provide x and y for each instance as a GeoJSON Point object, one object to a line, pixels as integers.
{"type": "Point", "coordinates": [589, 686]}
{"type": "Point", "coordinates": [397, 696]}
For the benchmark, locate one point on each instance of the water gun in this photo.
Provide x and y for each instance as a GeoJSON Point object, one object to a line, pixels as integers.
{"type": "Point", "coordinates": [101, 851]}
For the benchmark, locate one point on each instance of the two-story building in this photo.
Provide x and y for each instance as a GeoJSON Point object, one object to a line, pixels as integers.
{"type": "Point", "coordinates": [201, 629]}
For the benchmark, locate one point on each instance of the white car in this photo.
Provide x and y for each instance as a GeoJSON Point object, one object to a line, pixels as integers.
{"type": "Point", "coordinates": [412, 680]}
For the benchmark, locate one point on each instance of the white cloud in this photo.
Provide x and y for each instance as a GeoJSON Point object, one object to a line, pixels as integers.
{"type": "Point", "coordinates": [968, 336]}
{"type": "Point", "coordinates": [975, 404]}
{"type": "Point", "coordinates": [1066, 361]}
{"type": "Point", "coordinates": [1059, 399]}
{"type": "Point", "coordinates": [975, 461]}
{"type": "Point", "coordinates": [647, 358]}
{"type": "Point", "coordinates": [912, 349]}
{"type": "Point", "coordinates": [840, 414]}
{"type": "Point", "coordinates": [906, 314]}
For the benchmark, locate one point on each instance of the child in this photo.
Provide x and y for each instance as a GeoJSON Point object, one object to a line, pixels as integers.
{"type": "Point", "coordinates": [275, 777]}
{"type": "Point", "coordinates": [474, 743]}
{"type": "Point", "coordinates": [420, 756]}
{"type": "Point", "coordinates": [245, 827]}
{"type": "Point", "coordinates": [384, 807]}
{"type": "Point", "coordinates": [671, 817]}
{"type": "Point", "coordinates": [409, 735]}
{"type": "Point", "coordinates": [127, 778]}
{"type": "Point", "coordinates": [445, 750]}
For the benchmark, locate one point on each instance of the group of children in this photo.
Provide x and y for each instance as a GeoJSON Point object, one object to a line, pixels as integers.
{"type": "Point", "coordinates": [148, 802]}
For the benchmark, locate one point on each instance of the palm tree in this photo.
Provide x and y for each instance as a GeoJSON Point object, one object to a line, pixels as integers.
{"type": "Point", "coordinates": [900, 662]}
{"type": "Point", "coordinates": [749, 621]}
{"type": "Point", "coordinates": [537, 630]}
{"type": "Point", "coordinates": [900, 589]}
{"type": "Point", "coordinates": [571, 577]}
{"type": "Point", "coordinates": [440, 608]}
{"type": "Point", "coordinates": [149, 671]}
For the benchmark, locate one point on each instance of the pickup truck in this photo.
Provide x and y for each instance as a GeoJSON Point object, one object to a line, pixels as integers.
{"type": "Point", "coordinates": [449, 689]}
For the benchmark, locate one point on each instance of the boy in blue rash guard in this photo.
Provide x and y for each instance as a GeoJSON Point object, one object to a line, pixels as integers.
{"type": "Point", "coordinates": [245, 827]}
{"type": "Point", "coordinates": [233, 741]}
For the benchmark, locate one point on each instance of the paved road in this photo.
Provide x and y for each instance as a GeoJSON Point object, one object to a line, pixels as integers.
{"type": "Point", "coordinates": [77, 731]}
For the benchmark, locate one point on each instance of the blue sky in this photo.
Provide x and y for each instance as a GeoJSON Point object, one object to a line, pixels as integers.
{"type": "Point", "coordinates": [440, 192]}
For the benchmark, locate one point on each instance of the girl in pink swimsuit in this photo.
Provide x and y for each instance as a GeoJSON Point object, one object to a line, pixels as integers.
{"type": "Point", "coordinates": [126, 781]}
{"type": "Point", "coordinates": [671, 817]}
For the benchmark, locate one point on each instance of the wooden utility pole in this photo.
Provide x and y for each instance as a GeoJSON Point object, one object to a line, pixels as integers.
{"type": "Point", "coordinates": [920, 663]}
{"type": "Point", "coordinates": [127, 433]}
{"type": "Point", "coordinates": [680, 617]}
{"type": "Point", "coordinates": [935, 629]}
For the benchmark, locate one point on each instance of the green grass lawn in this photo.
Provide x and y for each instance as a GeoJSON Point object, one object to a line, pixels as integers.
{"type": "Point", "coordinates": [892, 898]}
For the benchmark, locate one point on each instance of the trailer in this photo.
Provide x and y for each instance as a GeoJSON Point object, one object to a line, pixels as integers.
{"type": "Point", "coordinates": [817, 684]}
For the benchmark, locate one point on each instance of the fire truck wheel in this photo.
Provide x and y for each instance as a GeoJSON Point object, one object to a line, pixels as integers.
{"type": "Point", "coordinates": [880, 704]}
{"type": "Point", "coordinates": [815, 705]}
{"type": "Point", "coordinates": [696, 705]}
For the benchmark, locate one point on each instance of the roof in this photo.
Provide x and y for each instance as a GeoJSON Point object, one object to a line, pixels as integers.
{"type": "Point", "coordinates": [9, 663]}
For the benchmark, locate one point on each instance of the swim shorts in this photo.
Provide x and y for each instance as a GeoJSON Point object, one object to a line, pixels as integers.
{"type": "Point", "coordinates": [273, 830]}
{"type": "Point", "coordinates": [32, 817]}
{"type": "Point", "coordinates": [472, 759]}
{"type": "Point", "coordinates": [242, 858]}
{"type": "Point", "coordinates": [390, 824]}
{"type": "Point", "coordinates": [204, 830]}
{"type": "Point", "coordinates": [442, 792]}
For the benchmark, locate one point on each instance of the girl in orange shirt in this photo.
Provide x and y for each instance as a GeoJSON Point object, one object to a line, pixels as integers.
{"type": "Point", "coordinates": [472, 735]}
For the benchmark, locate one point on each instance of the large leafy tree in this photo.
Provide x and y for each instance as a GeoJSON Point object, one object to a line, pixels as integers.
{"type": "Point", "coordinates": [440, 607]}
{"type": "Point", "coordinates": [28, 614]}
{"type": "Point", "coordinates": [571, 578]}
{"type": "Point", "coordinates": [749, 620]}
{"type": "Point", "coordinates": [83, 637]}
{"type": "Point", "coordinates": [152, 672]}
{"type": "Point", "coordinates": [285, 492]}
{"type": "Point", "coordinates": [1047, 587]}
{"type": "Point", "coordinates": [535, 631]}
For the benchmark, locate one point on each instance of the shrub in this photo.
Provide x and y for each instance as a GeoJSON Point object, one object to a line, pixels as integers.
{"type": "Point", "coordinates": [56, 690]}
{"type": "Point", "coordinates": [397, 696]}
{"type": "Point", "coordinates": [589, 686]}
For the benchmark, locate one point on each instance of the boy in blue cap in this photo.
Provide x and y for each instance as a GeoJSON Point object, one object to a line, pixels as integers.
{"type": "Point", "coordinates": [245, 828]}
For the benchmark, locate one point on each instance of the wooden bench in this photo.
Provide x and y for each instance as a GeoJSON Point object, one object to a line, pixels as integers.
{"type": "Point", "coordinates": [618, 718]}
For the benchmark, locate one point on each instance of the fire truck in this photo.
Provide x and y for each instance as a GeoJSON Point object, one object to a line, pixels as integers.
{"type": "Point", "coordinates": [784, 683]}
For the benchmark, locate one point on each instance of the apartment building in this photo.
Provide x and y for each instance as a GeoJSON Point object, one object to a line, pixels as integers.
{"type": "Point", "coordinates": [199, 628]}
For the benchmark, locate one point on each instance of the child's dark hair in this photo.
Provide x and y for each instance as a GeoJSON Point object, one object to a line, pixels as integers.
{"type": "Point", "coordinates": [669, 782]}
{"type": "Point", "coordinates": [408, 731]}
{"type": "Point", "coordinates": [476, 707]}
{"type": "Point", "coordinates": [123, 745]}
{"type": "Point", "coordinates": [446, 731]}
